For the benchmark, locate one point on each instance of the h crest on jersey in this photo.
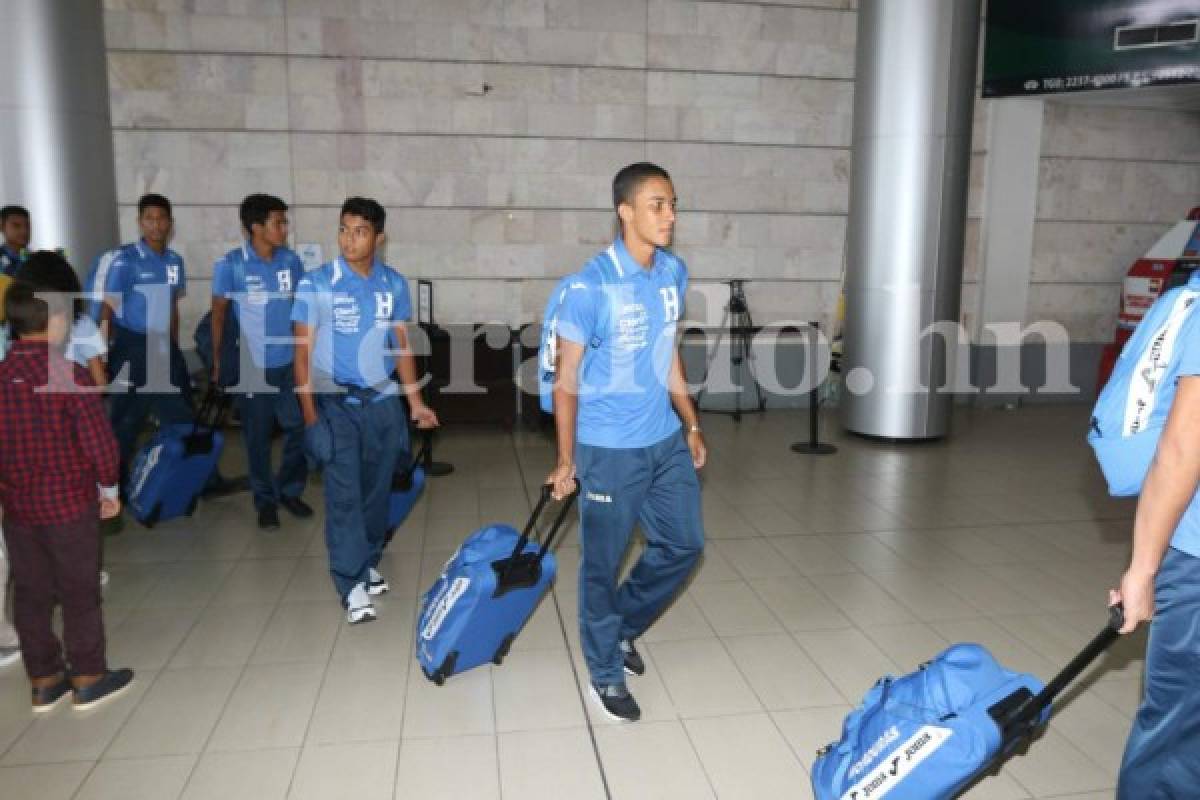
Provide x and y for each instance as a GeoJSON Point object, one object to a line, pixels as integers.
{"type": "Point", "coordinates": [385, 304]}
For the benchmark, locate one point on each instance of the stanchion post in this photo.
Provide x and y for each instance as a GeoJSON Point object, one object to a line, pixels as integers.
{"type": "Point", "coordinates": [813, 447]}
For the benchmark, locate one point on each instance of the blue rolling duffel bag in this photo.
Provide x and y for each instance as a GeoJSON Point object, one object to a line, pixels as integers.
{"type": "Point", "coordinates": [929, 734]}
{"type": "Point", "coordinates": [407, 485]}
{"type": "Point", "coordinates": [169, 473]}
{"type": "Point", "coordinates": [486, 593]}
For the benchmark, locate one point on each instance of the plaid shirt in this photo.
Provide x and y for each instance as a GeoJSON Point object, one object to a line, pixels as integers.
{"type": "Point", "coordinates": [56, 446]}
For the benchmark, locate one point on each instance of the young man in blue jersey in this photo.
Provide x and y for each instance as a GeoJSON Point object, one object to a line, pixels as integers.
{"type": "Point", "coordinates": [351, 336]}
{"type": "Point", "coordinates": [15, 229]}
{"type": "Point", "coordinates": [142, 285]}
{"type": "Point", "coordinates": [259, 278]}
{"type": "Point", "coordinates": [628, 432]}
{"type": "Point", "coordinates": [1161, 584]}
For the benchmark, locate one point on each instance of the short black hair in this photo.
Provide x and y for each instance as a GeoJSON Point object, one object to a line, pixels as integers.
{"type": "Point", "coordinates": [49, 271]}
{"type": "Point", "coordinates": [13, 211]}
{"type": "Point", "coordinates": [28, 309]}
{"type": "Point", "coordinates": [368, 209]}
{"type": "Point", "coordinates": [630, 178]}
{"type": "Point", "coordinates": [257, 208]}
{"type": "Point", "coordinates": [153, 200]}
{"type": "Point", "coordinates": [26, 313]}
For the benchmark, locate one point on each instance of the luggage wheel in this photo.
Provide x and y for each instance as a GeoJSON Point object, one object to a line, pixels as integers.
{"type": "Point", "coordinates": [444, 671]}
{"type": "Point", "coordinates": [152, 518]}
{"type": "Point", "coordinates": [503, 649]}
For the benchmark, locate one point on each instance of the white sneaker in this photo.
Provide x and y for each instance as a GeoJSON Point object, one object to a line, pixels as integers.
{"type": "Point", "coordinates": [103, 578]}
{"type": "Point", "coordinates": [376, 583]}
{"type": "Point", "coordinates": [358, 605]}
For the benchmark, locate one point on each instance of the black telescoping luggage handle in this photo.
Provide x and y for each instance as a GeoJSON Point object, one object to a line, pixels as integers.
{"type": "Point", "coordinates": [520, 570]}
{"type": "Point", "coordinates": [210, 417]}
{"type": "Point", "coordinates": [547, 493]}
{"type": "Point", "coordinates": [400, 479]}
{"type": "Point", "coordinates": [1026, 716]}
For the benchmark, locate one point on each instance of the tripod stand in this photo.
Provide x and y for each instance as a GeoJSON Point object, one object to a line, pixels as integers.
{"type": "Point", "coordinates": [740, 327]}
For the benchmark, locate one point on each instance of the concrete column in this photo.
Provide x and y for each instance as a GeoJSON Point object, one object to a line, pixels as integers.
{"type": "Point", "coordinates": [56, 153]}
{"type": "Point", "coordinates": [913, 99]}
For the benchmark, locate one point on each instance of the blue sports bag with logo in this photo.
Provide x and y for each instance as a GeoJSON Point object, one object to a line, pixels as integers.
{"type": "Point", "coordinates": [929, 734]}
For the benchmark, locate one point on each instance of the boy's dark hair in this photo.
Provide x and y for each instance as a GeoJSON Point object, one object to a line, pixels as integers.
{"type": "Point", "coordinates": [366, 208]}
{"type": "Point", "coordinates": [153, 200]}
{"type": "Point", "coordinates": [630, 178]}
{"type": "Point", "coordinates": [257, 208]}
{"type": "Point", "coordinates": [48, 271]}
{"type": "Point", "coordinates": [27, 309]}
{"type": "Point", "coordinates": [13, 211]}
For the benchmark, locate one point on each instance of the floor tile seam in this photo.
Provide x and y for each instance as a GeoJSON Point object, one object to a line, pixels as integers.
{"type": "Point", "coordinates": [579, 690]}
{"type": "Point", "coordinates": [765, 709]}
{"type": "Point", "coordinates": [204, 748]}
{"type": "Point", "coordinates": [20, 735]}
{"type": "Point", "coordinates": [833, 680]}
{"type": "Point", "coordinates": [931, 575]}
{"type": "Point", "coordinates": [741, 714]}
{"type": "Point", "coordinates": [847, 614]}
{"type": "Point", "coordinates": [408, 676]}
{"type": "Point", "coordinates": [157, 675]}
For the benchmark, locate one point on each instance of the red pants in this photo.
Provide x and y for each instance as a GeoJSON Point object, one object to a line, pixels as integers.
{"type": "Point", "coordinates": [57, 564]}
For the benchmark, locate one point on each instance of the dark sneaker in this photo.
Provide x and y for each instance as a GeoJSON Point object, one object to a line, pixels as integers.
{"type": "Point", "coordinates": [296, 507]}
{"type": "Point", "coordinates": [616, 701]}
{"type": "Point", "coordinates": [376, 583]}
{"type": "Point", "coordinates": [220, 486]}
{"type": "Point", "coordinates": [268, 519]}
{"type": "Point", "coordinates": [111, 684]}
{"type": "Point", "coordinates": [47, 697]}
{"type": "Point", "coordinates": [634, 665]}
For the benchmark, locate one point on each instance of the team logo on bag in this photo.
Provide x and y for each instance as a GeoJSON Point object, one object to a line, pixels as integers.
{"type": "Point", "coordinates": [442, 605]}
{"type": "Point", "coordinates": [902, 761]}
{"type": "Point", "coordinates": [874, 751]}
{"type": "Point", "coordinates": [148, 466]}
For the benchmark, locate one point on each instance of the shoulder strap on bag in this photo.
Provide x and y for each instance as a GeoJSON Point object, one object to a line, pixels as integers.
{"type": "Point", "coordinates": [1152, 364]}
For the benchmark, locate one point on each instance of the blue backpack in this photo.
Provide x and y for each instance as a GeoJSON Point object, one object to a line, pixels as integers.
{"type": "Point", "coordinates": [230, 336]}
{"type": "Point", "coordinates": [548, 346]}
{"type": "Point", "coordinates": [1125, 427]}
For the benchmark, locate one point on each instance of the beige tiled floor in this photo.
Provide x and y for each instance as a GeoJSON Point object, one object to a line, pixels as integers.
{"type": "Point", "coordinates": [821, 575]}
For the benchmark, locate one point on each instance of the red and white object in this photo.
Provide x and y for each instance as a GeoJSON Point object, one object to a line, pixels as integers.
{"type": "Point", "coordinates": [1147, 279]}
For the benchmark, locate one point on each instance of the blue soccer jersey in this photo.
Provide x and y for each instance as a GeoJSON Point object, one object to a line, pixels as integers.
{"type": "Point", "coordinates": [353, 317]}
{"type": "Point", "coordinates": [625, 316]}
{"type": "Point", "coordinates": [262, 294]}
{"type": "Point", "coordinates": [146, 283]}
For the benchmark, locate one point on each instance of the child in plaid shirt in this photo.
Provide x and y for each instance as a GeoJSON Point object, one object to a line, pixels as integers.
{"type": "Point", "coordinates": [59, 461]}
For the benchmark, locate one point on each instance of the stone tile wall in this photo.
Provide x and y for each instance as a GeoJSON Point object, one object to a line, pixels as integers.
{"type": "Point", "coordinates": [490, 130]}
{"type": "Point", "coordinates": [1112, 182]}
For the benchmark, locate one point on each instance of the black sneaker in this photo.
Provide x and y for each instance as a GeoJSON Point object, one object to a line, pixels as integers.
{"type": "Point", "coordinates": [616, 701]}
{"type": "Point", "coordinates": [47, 697]}
{"type": "Point", "coordinates": [268, 518]}
{"type": "Point", "coordinates": [296, 507]}
{"type": "Point", "coordinates": [110, 685]}
{"type": "Point", "coordinates": [634, 665]}
{"type": "Point", "coordinates": [220, 486]}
